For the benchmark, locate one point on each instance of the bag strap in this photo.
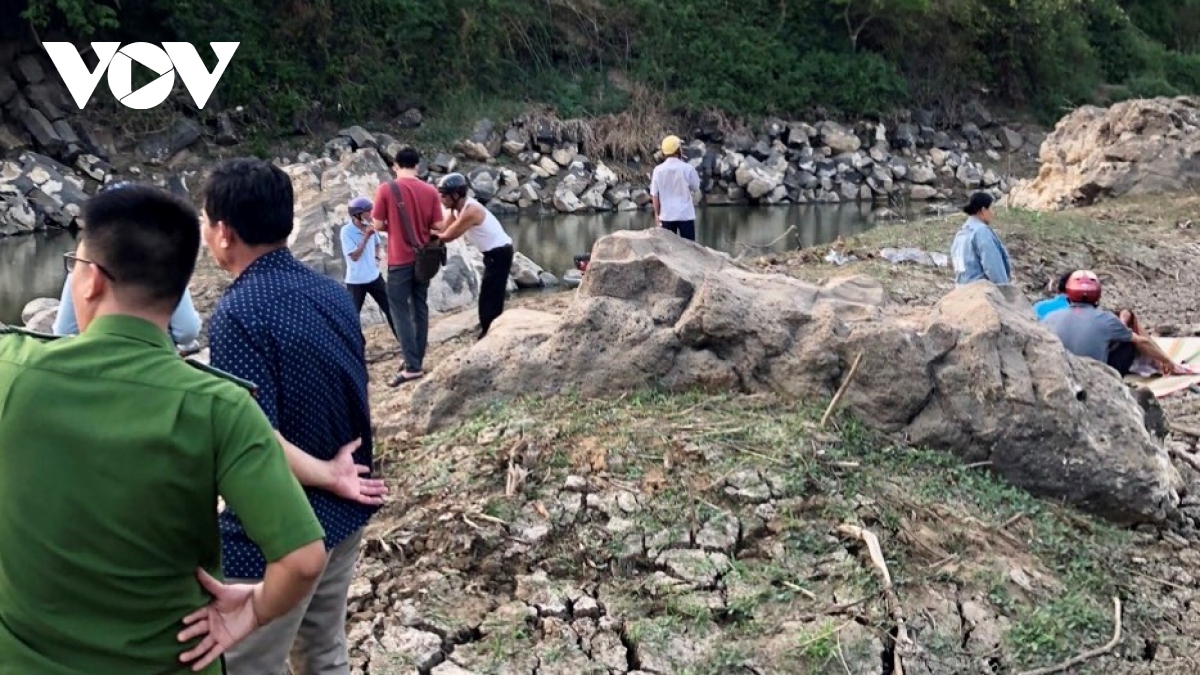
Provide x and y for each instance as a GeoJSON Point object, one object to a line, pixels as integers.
{"type": "Point", "coordinates": [410, 235]}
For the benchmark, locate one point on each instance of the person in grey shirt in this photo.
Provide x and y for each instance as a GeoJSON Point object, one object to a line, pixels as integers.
{"type": "Point", "coordinates": [1087, 330]}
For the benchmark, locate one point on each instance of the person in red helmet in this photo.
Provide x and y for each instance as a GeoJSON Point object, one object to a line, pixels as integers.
{"type": "Point", "coordinates": [1087, 330]}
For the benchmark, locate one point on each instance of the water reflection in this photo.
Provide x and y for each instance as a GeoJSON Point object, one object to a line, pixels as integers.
{"type": "Point", "coordinates": [554, 241]}
{"type": "Point", "coordinates": [31, 267]}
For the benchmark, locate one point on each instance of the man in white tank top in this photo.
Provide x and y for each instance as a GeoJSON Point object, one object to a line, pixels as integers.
{"type": "Point", "coordinates": [466, 217]}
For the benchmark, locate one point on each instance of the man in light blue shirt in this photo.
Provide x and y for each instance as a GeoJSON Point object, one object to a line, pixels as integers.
{"type": "Point", "coordinates": [184, 328]}
{"type": "Point", "coordinates": [360, 247]}
{"type": "Point", "coordinates": [977, 252]}
{"type": "Point", "coordinates": [185, 324]}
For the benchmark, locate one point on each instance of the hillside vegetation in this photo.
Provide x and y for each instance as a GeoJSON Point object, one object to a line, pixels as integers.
{"type": "Point", "coordinates": [353, 59]}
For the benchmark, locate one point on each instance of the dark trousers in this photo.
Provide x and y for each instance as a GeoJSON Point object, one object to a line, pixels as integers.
{"type": "Point", "coordinates": [497, 263]}
{"type": "Point", "coordinates": [410, 314]}
{"type": "Point", "coordinates": [1121, 356]}
{"type": "Point", "coordinates": [378, 291]}
{"type": "Point", "coordinates": [683, 228]}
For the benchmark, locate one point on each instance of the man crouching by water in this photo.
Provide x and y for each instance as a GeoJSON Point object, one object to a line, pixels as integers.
{"type": "Point", "coordinates": [295, 334]}
{"type": "Point", "coordinates": [113, 451]}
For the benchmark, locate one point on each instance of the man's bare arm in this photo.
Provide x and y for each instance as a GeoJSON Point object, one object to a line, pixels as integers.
{"type": "Point", "coordinates": [310, 471]}
{"type": "Point", "coordinates": [340, 475]}
{"type": "Point", "coordinates": [466, 220]}
{"type": "Point", "coordinates": [1148, 347]}
{"type": "Point", "coordinates": [445, 223]}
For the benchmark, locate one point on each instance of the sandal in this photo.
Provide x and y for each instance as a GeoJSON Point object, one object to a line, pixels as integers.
{"type": "Point", "coordinates": [404, 378]}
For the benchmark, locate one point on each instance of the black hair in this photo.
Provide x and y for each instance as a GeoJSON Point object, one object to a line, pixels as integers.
{"type": "Point", "coordinates": [408, 158]}
{"type": "Point", "coordinates": [979, 201]}
{"type": "Point", "coordinates": [146, 238]}
{"type": "Point", "coordinates": [252, 196]}
{"type": "Point", "coordinates": [1062, 281]}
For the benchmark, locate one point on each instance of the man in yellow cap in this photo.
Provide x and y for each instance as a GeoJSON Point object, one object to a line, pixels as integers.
{"type": "Point", "coordinates": [671, 188]}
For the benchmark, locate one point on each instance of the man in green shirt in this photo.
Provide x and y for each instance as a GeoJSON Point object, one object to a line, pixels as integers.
{"type": "Point", "coordinates": [113, 451]}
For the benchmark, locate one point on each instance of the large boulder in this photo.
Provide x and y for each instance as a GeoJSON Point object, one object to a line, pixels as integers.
{"type": "Point", "coordinates": [322, 189]}
{"type": "Point", "coordinates": [1143, 146]}
{"type": "Point", "coordinates": [976, 375]}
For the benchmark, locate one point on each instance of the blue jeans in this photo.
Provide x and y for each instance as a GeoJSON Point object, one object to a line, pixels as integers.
{"type": "Point", "coordinates": [410, 314]}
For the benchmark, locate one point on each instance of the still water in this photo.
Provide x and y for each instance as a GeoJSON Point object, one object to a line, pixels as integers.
{"type": "Point", "coordinates": [554, 241]}
{"type": "Point", "coordinates": [31, 266]}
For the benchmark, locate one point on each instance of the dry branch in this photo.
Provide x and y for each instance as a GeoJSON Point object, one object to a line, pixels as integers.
{"type": "Point", "coordinates": [837, 398]}
{"type": "Point", "coordinates": [902, 641]}
{"type": "Point", "coordinates": [1091, 654]}
{"type": "Point", "coordinates": [516, 474]}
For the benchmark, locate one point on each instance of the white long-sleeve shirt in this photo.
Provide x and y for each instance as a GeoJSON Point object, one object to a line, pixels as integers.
{"type": "Point", "coordinates": [673, 182]}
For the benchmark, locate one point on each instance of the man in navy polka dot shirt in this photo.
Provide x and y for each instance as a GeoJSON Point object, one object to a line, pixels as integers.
{"type": "Point", "coordinates": [295, 334]}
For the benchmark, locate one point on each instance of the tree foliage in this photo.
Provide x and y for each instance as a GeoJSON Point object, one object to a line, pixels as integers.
{"type": "Point", "coordinates": [354, 58]}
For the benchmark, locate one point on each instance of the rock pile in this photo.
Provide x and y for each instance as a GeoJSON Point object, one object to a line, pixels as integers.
{"type": "Point", "coordinates": [545, 166]}
{"type": "Point", "coordinates": [37, 114]}
{"type": "Point", "coordinates": [545, 161]}
{"type": "Point", "coordinates": [38, 193]}
{"type": "Point", "coordinates": [975, 375]}
{"type": "Point", "coordinates": [1145, 146]}
{"type": "Point", "coordinates": [54, 155]}
{"type": "Point", "coordinates": [40, 130]}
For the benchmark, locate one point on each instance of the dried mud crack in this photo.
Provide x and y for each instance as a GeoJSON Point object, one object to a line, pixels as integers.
{"type": "Point", "coordinates": [700, 534]}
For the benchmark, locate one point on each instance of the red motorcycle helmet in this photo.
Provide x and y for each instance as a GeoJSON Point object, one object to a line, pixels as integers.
{"type": "Point", "coordinates": [1084, 287]}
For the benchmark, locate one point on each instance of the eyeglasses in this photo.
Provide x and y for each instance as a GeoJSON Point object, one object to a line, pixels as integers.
{"type": "Point", "coordinates": [69, 260]}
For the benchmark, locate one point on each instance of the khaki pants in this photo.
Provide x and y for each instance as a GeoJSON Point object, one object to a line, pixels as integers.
{"type": "Point", "coordinates": [314, 633]}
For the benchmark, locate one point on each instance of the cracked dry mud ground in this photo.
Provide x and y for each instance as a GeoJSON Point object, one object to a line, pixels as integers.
{"type": "Point", "coordinates": [697, 534]}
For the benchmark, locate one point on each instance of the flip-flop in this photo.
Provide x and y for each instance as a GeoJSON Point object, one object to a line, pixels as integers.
{"type": "Point", "coordinates": [400, 379]}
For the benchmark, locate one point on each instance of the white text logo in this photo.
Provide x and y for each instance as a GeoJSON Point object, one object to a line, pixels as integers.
{"type": "Point", "coordinates": [118, 61]}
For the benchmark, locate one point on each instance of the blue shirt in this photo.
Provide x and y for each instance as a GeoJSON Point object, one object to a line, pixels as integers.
{"type": "Point", "coordinates": [295, 334]}
{"type": "Point", "coordinates": [1045, 307]}
{"type": "Point", "coordinates": [184, 328]}
{"type": "Point", "coordinates": [366, 268]}
{"type": "Point", "coordinates": [979, 254]}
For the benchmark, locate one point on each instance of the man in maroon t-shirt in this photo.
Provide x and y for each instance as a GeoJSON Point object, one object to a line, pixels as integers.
{"type": "Point", "coordinates": [407, 297]}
